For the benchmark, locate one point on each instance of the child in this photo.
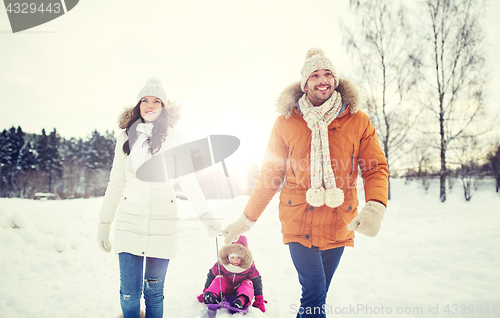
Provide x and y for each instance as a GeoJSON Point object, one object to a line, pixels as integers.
{"type": "Point", "coordinates": [238, 276]}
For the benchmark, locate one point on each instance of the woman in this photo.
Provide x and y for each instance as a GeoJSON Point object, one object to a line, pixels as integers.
{"type": "Point", "coordinates": [145, 213]}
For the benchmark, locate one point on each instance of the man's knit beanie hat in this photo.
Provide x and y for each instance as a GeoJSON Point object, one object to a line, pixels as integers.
{"type": "Point", "coordinates": [316, 60]}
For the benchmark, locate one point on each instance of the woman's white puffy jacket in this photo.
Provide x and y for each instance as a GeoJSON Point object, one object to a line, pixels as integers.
{"type": "Point", "coordinates": [145, 213]}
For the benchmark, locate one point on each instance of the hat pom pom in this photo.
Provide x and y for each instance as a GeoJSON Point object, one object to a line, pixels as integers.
{"type": "Point", "coordinates": [314, 51]}
{"type": "Point", "coordinates": [334, 197]}
{"type": "Point", "coordinates": [154, 80]}
{"type": "Point", "coordinates": [315, 197]}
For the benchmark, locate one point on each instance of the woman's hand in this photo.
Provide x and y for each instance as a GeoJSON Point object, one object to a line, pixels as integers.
{"type": "Point", "coordinates": [103, 237]}
{"type": "Point", "coordinates": [214, 227]}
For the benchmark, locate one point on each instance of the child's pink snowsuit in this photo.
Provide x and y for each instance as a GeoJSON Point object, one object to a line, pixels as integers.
{"type": "Point", "coordinates": [244, 288]}
{"type": "Point", "coordinates": [235, 280]}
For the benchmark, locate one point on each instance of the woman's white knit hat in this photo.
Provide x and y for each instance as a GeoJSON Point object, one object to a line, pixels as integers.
{"type": "Point", "coordinates": [153, 88]}
{"type": "Point", "coordinates": [316, 60]}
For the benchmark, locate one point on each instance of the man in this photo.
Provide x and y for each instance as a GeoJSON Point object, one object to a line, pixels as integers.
{"type": "Point", "coordinates": [316, 146]}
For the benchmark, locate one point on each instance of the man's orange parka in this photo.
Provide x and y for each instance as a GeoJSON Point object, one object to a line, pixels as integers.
{"type": "Point", "coordinates": [353, 144]}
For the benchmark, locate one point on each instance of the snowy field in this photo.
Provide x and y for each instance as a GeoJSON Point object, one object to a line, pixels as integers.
{"type": "Point", "coordinates": [429, 260]}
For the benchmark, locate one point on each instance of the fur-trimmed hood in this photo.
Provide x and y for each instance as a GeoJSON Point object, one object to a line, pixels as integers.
{"type": "Point", "coordinates": [239, 247]}
{"type": "Point", "coordinates": [172, 113]}
{"type": "Point", "coordinates": [287, 101]}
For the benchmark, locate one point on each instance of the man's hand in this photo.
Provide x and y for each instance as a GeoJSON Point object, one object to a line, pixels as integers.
{"type": "Point", "coordinates": [234, 230]}
{"type": "Point", "coordinates": [369, 219]}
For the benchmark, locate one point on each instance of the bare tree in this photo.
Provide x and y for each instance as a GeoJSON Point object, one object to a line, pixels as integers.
{"type": "Point", "coordinates": [382, 45]}
{"type": "Point", "coordinates": [423, 160]}
{"type": "Point", "coordinates": [456, 95]}
{"type": "Point", "coordinates": [494, 165]}
{"type": "Point", "coordinates": [469, 154]}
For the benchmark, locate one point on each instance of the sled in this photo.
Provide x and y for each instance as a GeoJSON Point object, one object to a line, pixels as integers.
{"type": "Point", "coordinates": [226, 304]}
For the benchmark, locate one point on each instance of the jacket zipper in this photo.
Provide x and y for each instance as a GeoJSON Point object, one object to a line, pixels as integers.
{"type": "Point", "coordinates": [352, 159]}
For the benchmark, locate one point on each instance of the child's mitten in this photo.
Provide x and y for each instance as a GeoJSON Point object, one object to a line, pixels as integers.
{"type": "Point", "coordinates": [259, 302]}
{"type": "Point", "coordinates": [369, 219]}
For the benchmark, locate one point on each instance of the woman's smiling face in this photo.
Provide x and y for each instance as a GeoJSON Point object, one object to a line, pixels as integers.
{"type": "Point", "coordinates": [150, 108]}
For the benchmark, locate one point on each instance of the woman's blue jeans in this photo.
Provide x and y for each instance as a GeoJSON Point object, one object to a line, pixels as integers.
{"type": "Point", "coordinates": [134, 279]}
{"type": "Point", "coordinates": [315, 269]}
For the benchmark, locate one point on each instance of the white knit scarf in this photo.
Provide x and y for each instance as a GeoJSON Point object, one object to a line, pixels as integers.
{"type": "Point", "coordinates": [140, 150]}
{"type": "Point", "coordinates": [317, 119]}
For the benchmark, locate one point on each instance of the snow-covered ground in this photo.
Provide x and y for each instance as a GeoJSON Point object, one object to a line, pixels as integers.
{"type": "Point", "coordinates": [429, 260]}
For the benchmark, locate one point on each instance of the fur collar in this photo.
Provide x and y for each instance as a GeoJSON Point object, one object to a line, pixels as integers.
{"type": "Point", "coordinates": [234, 269]}
{"type": "Point", "coordinates": [173, 114]}
{"type": "Point", "coordinates": [287, 101]}
{"type": "Point", "coordinates": [241, 250]}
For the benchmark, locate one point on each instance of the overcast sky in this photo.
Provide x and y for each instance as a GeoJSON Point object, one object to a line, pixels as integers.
{"type": "Point", "coordinates": [226, 62]}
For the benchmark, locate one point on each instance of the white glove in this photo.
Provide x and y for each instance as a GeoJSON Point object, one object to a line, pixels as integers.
{"type": "Point", "coordinates": [369, 219]}
{"type": "Point", "coordinates": [103, 237]}
{"type": "Point", "coordinates": [214, 227]}
{"type": "Point", "coordinates": [233, 230]}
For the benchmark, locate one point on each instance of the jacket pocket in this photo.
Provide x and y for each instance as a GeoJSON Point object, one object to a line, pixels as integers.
{"type": "Point", "coordinates": [132, 203]}
{"type": "Point", "coordinates": [345, 213]}
{"type": "Point", "coordinates": [163, 204]}
{"type": "Point", "coordinates": [293, 212]}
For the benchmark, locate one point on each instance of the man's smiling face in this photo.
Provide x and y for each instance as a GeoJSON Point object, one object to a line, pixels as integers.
{"type": "Point", "coordinates": [320, 86]}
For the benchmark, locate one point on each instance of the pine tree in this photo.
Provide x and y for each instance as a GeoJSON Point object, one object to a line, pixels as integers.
{"type": "Point", "coordinates": [12, 141]}
{"type": "Point", "coordinates": [49, 159]}
{"type": "Point", "coordinates": [99, 151]}
{"type": "Point", "coordinates": [27, 159]}
{"type": "Point", "coordinates": [3, 162]}
{"type": "Point", "coordinates": [55, 163]}
{"type": "Point", "coordinates": [27, 175]}
{"type": "Point", "coordinates": [41, 149]}
{"type": "Point", "coordinates": [73, 168]}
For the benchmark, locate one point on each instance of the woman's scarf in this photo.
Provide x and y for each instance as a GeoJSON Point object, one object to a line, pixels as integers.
{"type": "Point", "coordinates": [141, 151]}
{"type": "Point", "coordinates": [317, 119]}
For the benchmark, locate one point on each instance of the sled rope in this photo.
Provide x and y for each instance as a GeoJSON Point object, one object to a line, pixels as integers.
{"type": "Point", "coordinates": [218, 269]}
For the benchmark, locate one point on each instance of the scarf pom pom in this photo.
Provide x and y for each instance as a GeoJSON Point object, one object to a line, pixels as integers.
{"type": "Point", "coordinates": [315, 197]}
{"type": "Point", "coordinates": [334, 197]}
